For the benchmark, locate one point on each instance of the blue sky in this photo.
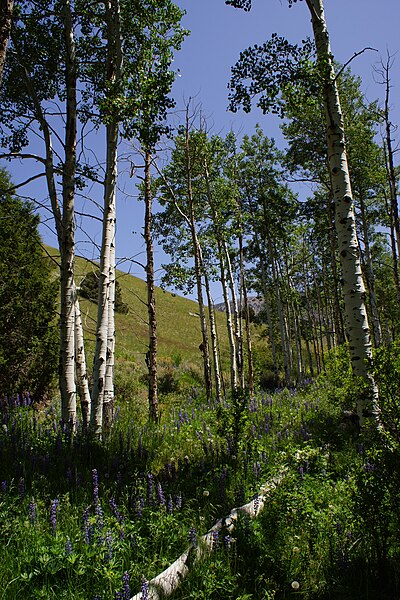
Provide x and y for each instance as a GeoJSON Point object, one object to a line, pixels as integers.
{"type": "Point", "coordinates": [218, 34]}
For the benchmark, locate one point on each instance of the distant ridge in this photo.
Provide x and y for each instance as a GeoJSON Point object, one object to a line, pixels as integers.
{"type": "Point", "coordinates": [255, 302]}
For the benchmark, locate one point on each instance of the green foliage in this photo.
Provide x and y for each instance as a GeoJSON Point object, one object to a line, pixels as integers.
{"type": "Point", "coordinates": [28, 332]}
{"type": "Point", "coordinates": [387, 377]}
{"type": "Point", "coordinates": [89, 289]}
{"type": "Point", "coordinates": [331, 525]}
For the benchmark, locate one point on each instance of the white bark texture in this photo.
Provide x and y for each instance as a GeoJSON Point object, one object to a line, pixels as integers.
{"type": "Point", "coordinates": [352, 281]}
{"type": "Point", "coordinates": [103, 385]}
{"type": "Point", "coordinates": [67, 248]}
{"type": "Point", "coordinates": [81, 369]}
{"type": "Point", "coordinates": [164, 584]}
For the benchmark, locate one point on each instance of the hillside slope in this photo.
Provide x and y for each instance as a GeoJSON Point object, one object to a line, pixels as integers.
{"type": "Point", "coordinates": [179, 333]}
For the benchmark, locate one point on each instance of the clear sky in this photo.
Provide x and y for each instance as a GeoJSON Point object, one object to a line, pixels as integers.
{"type": "Point", "coordinates": [218, 34]}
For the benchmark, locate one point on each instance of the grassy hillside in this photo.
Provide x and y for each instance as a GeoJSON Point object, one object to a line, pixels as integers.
{"type": "Point", "coordinates": [179, 333]}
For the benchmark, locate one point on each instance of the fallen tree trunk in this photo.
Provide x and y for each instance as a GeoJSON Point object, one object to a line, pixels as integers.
{"type": "Point", "coordinates": [164, 584]}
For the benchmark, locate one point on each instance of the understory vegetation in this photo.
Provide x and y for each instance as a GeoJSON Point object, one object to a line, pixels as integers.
{"type": "Point", "coordinates": [84, 520]}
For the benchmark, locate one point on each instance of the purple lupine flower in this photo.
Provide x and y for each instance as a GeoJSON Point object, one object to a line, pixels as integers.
{"type": "Point", "coordinates": [32, 510]}
{"type": "Point", "coordinates": [87, 527]}
{"type": "Point", "coordinates": [227, 541]}
{"type": "Point", "coordinates": [215, 538]}
{"type": "Point", "coordinates": [301, 472]}
{"type": "Point", "coordinates": [115, 511]}
{"type": "Point", "coordinates": [109, 543]}
{"type": "Point", "coordinates": [144, 589]}
{"type": "Point", "coordinates": [160, 494]}
{"type": "Point", "coordinates": [53, 515]}
{"type": "Point", "coordinates": [178, 501]}
{"type": "Point", "coordinates": [68, 547]}
{"type": "Point", "coordinates": [170, 505]}
{"type": "Point", "coordinates": [139, 511]}
{"type": "Point", "coordinates": [192, 535]}
{"type": "Point", "coordinates": [95, 481]}
{"type": "Point", "coordinates": [149, 489]}
{"type": "Point", "coordinates": [126, 591]}
{"type": "Point", "coordinates": [99, 516]}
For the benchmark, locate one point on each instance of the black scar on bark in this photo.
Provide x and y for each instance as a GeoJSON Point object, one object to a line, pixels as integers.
{"type": "Point", "coordinates": [343, 253]}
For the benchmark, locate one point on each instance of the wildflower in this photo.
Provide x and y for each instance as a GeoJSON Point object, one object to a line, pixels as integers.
{"type": "Point", "coordinates": [178, 502]}
{"type": "Point", "coordinates": [227, 541]}
{"type": "Point", "coordinates": [87, 527]}
{"type": "Point", "coordinates": [215, 538]}
{"type": "Point", "coordinates": [109, 544]}
{"type": "Point", "coordinates": [170, 505]}
{"type": "Point", "coordinates": [126, 592]}
{"type": "Point", "coordinates": [296, 550]}
{"type": "Point", "coordinates": [115, 511]}
{"type": "Point", "coordinates": [144, 588]}
{"type": "Point", "coordinates": [160, 494]}
{"type": "Point", "coordinates": [68, 547]}
{"type": "Point", "coordinates": [4, 487]}
{"type": "Point", "coordinates": [206, 493]}
{"type": "Point", "coordinates": [149, 488]}
{"type": "Point", "coordinates": [32, 511]}
{"type": "Point", "coordinates": [53, 515]}
{"type": "Point", "coordinates": [295, 585]}
{"type": "Point", "coordinates": [192, 535]}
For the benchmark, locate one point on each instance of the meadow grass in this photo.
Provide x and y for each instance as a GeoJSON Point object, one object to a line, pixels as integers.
{"type": "Point", "coordinates": [80, 519]}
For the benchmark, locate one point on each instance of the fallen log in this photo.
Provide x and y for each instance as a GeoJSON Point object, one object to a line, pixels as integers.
{"type": "Point", "coordinates": [165, 583]}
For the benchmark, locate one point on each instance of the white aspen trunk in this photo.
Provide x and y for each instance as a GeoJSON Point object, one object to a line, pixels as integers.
{"type": "Point", "coordinates": [204, 346]}
{"type": "Point", "coordinates": [281, 321]}
{"type": "Point", "coordinates": [353, 285]}
{"type": "Point", "coordinates": [167, 582]}
{"type": "Point", "coordinates": [108, 400]}
{"type": "Point", "coordinates": [370, 278]}
{"type": "Point", "coordinates": [219, 237]}
{"type": "Point", "coordinates": [81, 370]}
{"type": "Point", "coordinates": [231, 336]}
{"type": "Point", "coordinates": [268, 313]}
{"type": "Point", "coordinates": [339, 337]}
{"type": "Point", "coordinates": [235, 314]}
{"type": "Point", "coordinates": [103, 386]}
{"type": "Point", "coordinates": [67, 318]}
{"type": "Point", "coordinates": [214, 341]}
{"type": "Point", "coordinates": [100, 358]}
{"type": "Point", "coordinates": [250, 366]}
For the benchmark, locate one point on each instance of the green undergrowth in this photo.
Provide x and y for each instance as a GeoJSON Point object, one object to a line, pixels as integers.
{"type": "Point", "coordinates": [83, 520]}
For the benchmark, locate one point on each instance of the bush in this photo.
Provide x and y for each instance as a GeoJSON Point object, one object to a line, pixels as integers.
{"type": "Point", "coordinates": [89, 289]}
{"type": "Point", "coordinates": [28, 334]}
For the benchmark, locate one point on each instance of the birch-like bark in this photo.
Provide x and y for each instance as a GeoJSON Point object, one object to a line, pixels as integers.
{"type": "Point", "coordinates": [151, 358]}
{"type": "Point", "coordinates": [353, 285]}
{"type": "Point", "coordinates": [214, 340]}
{"type": "Point", "coordinates": [370, 278]}
{"type": "Point", "coordinates": [82, 380]}
{"type": "Point", "coordinates": [236, 317]}
{"type": "Point", "coordinates": [228, 312]}
{"type": "Point", "coordinates": [250, 365]}
{"type": "Point", "coordinates": [102, 393]}
{"type": "Point", "coordinates": [6, 10]}
{"type": "Point", "coordinates": [279, 308]}
{"type": "Point", "coordinates": [67, 316]}
{"type": "Point", "coordinates": [268, 312]}
{"type": "Point", "coordinates": [338, 318]}
{"type": "Point", "coordinates": [204, 346]}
